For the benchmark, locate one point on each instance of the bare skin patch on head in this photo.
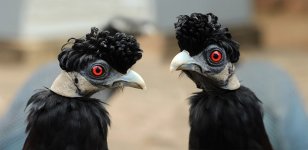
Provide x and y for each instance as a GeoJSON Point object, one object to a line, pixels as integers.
{"type": "Point", "coordinates": [226, 78]}
{"type": "Point", "coordinates": [72, 84]}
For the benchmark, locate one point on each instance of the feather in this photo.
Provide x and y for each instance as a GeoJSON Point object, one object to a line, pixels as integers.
{"type": "Point", "coordinates": [227, 119]}
{"type": "Point", "coordinates": [61, 123]}
{"type": "Point", "coordinates": [220, 119]}
{"type": "Point", "coordinates": [120, 51]}
{"type": "Point", "coordinates": [196, 31]}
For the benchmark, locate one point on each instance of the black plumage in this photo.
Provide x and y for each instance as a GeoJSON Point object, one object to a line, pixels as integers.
{"type": "Point", "coordinates": [197, 31]}
{"type": "Point", "coordinates": [224, 115]}
{"type": "Point", "coordinates": [227, 120]}
{"type": "Point", "coordinates": [119, 50]}
{"type": "Point", "coordinates": [56, 122]}
{"type": "Point", "coordinates": [65, 117]}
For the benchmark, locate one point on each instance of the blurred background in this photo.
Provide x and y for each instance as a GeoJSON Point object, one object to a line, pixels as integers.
{"type": "Point", "coordinates": [272, 32]}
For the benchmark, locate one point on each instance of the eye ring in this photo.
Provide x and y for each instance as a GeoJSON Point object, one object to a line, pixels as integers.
{"type": "Point", "coordinates": [216, 56]}
{"type": "Point", "coordinates": [98, 70]}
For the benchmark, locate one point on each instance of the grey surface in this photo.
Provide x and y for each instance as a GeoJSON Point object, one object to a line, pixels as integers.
{"type": "Point", "coordinates": [12, 126]}
{"type": "Point", "coordinates": [284, 114]}
{"type": "Point", "coordinates": [10, 18]}
{"type": "Point", "coordinates": [230, 13]}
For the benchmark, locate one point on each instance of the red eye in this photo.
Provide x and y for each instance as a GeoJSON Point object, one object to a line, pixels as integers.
{"type": "Point", "coordinates": [216, 56]}
{"type": "Point", "coordinates": [97, 70]}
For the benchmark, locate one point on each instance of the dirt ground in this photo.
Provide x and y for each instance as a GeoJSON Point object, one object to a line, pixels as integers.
{"type": "Point", "coordinates": [157, 118]}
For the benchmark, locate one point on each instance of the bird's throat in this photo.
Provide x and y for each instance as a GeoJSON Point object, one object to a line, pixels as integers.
{"type": "Point", "coordinates": [64, 85]}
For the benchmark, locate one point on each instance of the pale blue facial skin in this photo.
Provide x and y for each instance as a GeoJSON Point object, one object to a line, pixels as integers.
{"type": "Point", "coordinates": [206, 65]}
{"type": "Point", "coordinates": [202, 68]}
{"type": "Point", "coordinates": [205, 62]}
{"type": "Point", "coordinates": [106, 79]}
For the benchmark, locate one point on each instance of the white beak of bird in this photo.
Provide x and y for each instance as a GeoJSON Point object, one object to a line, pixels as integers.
{"type": "Point", "coordinates": [131, 79]}
{"type": "Point", "coordinates": [180, 60]}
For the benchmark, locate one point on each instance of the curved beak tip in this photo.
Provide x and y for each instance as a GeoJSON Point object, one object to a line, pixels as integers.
{"type": "Point", "coordinates": [133, 79]}
{"type": "Point", "coordinates": [172, 68]}
{"type": "Point", "coordinates": [144, 87]}
{"type": "Point", "coordinates": [180, 59]}
{"type": "Point", "coordinates": [141, 84]}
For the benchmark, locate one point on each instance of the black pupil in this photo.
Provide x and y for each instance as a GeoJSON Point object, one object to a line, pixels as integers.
{"type": "Point", "coordinates": [98, 70]}
{"type": "Point", "coordinates": [215, 56]}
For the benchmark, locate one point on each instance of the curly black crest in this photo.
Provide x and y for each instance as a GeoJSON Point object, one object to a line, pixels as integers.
{"type": "Point", "coordinates": [120, 51]}
{"type": "Point", "coordinates": [195, 32]}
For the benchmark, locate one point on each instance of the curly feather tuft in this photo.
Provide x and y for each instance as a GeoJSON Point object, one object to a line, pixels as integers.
{"type": "Point", "coordinates": [195, 32]}
{"type": "Point", "coordinates": [120, 51]}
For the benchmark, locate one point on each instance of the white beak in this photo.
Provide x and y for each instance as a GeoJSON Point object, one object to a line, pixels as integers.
{"type": "Point", "coordinates": [181, 59]}
{"type": "Point", "coordinates": [131, 79]}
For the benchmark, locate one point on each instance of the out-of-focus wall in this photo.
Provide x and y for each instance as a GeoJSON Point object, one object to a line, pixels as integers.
{"type": "Point", "coordinates": [10, 18]}
{"type": "Point", "coordinates": [231, 13]}
{"type": "Point", "coordinates": [295, 6]}
{"type": "Point", "coordinates": [32, 30]}
{"type": "Point", "coordinates": [49, 19]}
{"type": "Point", "coordinates": [40, 25]}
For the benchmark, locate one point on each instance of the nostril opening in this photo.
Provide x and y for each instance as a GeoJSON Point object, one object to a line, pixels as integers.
{"type": "Point", "coordinates": [76, 80]}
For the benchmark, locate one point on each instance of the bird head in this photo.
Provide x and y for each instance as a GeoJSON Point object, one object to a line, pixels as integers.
{"type": "Point", "coordinates": [208, 52]}
{"type": "Point", "coordinates": [96, 62]}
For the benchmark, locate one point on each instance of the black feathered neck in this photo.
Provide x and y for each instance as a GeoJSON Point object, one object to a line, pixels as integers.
{"type": "Point", "coordinates": [56, 122]}
{"type": "Point", "coordinates": [197, 31]}
{"type": "Point", "coordinates": [227, 120]}
{"type": "Point", "coordinates": [204, 83]}
{"type": "Point", "coordinates": [120, 51]}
